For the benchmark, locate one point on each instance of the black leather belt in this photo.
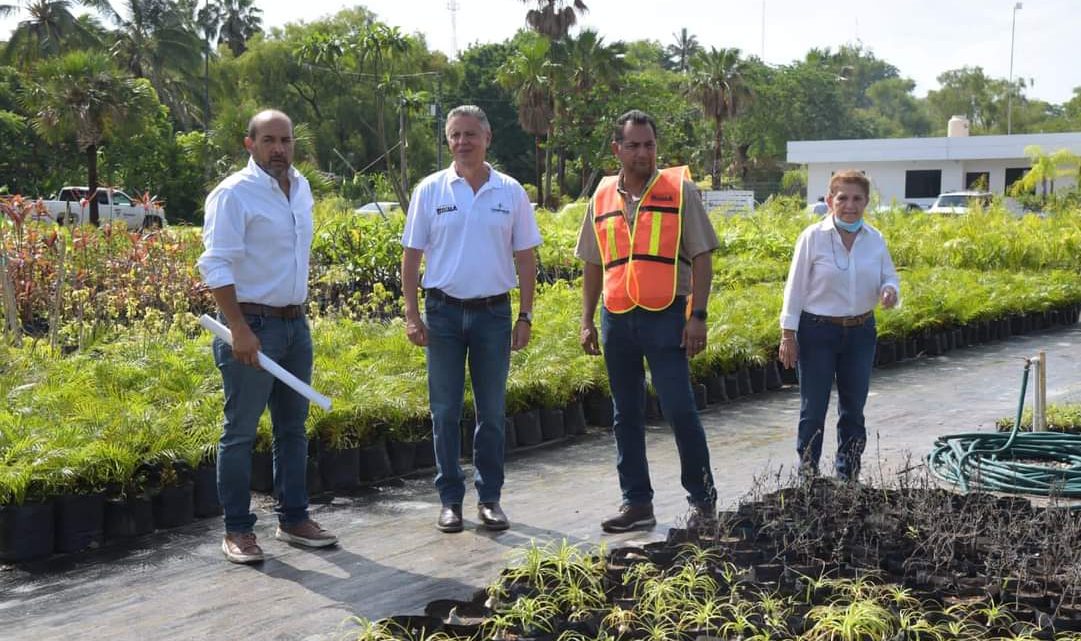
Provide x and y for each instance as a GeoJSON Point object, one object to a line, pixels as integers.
{"type": "Point", "coordinates": [440, 295]}
{"type": "Point", "coordinates": [845, 321]}
{"type": "Point", "coordinates": [288, 312]}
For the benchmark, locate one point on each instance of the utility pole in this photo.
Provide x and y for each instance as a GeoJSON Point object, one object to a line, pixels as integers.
{"type": "Point", "coordinates": [453, 7]}
{"type": "Point", "coordinates": [402, 145]}
{"type": "Point", "coordinates": [1009, 87]}
{"type": "Point", "coordinates": [437, 109]}
{"type": "Point", "coordinates": [763, 30]}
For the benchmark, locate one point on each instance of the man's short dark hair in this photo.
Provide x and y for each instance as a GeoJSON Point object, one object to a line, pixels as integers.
{"type": "Point", "coordinates": [636, 117]}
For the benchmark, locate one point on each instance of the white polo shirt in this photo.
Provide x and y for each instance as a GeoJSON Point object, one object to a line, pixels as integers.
{"type": "Point", "coordinates": [257, 239]}
{"type": "Point", "coordinates": [469, 239]}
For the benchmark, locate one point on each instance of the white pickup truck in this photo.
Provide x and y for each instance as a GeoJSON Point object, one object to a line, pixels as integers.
{"type": "Point", "coordinates": [70, 208]}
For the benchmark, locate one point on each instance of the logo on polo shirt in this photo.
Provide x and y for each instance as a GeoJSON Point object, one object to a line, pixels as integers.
{"type": "Point", "coordinates": [501, 209]}
{"type": "Point", "coordinates": [443, 209]}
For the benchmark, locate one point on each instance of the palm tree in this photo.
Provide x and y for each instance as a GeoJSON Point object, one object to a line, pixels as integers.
{"type": "Point", "coordinates": [82, 95]}
{"type": "Point", "coordinates": [682, 50]}
{"type": "Point", "coordinates": [1045, 169]}
{"type": "Point", "coordinates": [377, 51]}
{"type": "Point", "coordinates": [716, 83]}
{"type": "Point", "coordinates": [587, 62]}
{"type": "Point", "coordinates": [158, 42]}
{"type": "Point", "coordinates": [240, 20]}
{"type": "Point", "coordinates": [49, 28]}
{"type": "Point", "coordinates": [554, 18]}
{"type": "Point", "coordinates": [527, 73]}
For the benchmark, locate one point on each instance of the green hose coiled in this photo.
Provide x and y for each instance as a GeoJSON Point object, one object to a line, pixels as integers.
{"type": "Point", "coordinates": [1040, 463]}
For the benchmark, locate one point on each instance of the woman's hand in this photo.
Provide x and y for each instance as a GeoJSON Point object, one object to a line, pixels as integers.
{"type": "Point", "coordinates": [788, 354]}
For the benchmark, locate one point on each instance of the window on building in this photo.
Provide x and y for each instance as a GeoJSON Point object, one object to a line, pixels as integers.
{"type": "Point", "coordinates": [978, 180]}
{"type": "Point", "coordinates": [1013, 174]}
{"type": "Point", "coordinates": [923, 183]}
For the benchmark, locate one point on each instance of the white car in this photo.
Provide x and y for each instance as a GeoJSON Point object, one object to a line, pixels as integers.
{"type": "Point", "coordinates": [380, 208]}
{"type": "Point", "coordinates": [959, 202]}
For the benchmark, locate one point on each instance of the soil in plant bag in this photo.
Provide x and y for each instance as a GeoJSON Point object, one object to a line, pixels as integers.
{"type": "Point", "coordinates": [340, 468]}
{"type": "Point", "coordinates": [528, 427]}
{"type": "Point", "coordinates": [80, 521]}
{"type": "Point", "coordinates": [402, 456]}
{"type": "Point", "coordinates": [551, 421]}
{"type": "Point", "coordinates": [26, 531]}
{"type": "Point", "coordinates": [131, 516]}
{"type": "Point", "coordinates": [374, 461]}
{"type": "Point", "coordinates": [174, 505]}
{"type": "Point", "coordinates": [574, 419]}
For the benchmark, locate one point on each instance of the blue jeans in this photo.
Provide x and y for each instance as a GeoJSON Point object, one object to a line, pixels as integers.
{"type": "Point", "coordinates": [655, 336]}
{"type": "Point", "coordinates": [482, 336]}
{"type": "Point", "coordinates": [828, 351]}
{"type": "Point", "coordinates": [248, 392]}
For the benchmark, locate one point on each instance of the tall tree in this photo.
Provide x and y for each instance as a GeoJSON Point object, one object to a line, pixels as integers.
{"type": "Point", "coordinates": [682, 50]}
{"type": "Point", "coordinates": [971, 92]}
{"type": "Point", "coordinates": [554, 18]}
{"type": "Point", "coordinates": [49, 28]}
{"type": "Point", "coordinates": [240, 20]}
{"type": "Point", "coordinates": [716, 83]}
{"type": "Point", "coordinates": [526, 74]}
{"type": "Point", "coordinates": [83, 96]}
{"type": "Point", "coordinates": [591, 71]}
{"type": "Point", "coordinates": [377, 50]}
{"type": "Point", "coordinates": [156, 40]}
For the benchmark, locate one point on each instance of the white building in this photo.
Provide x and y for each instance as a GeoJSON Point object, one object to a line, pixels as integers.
{"type": "Point", "coordinates": [916, 170]}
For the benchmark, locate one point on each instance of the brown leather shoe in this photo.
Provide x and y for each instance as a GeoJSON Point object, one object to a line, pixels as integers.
{"type": "Point", "coordinates": [242, 548]}
{"type": "Point", "coordinates": [450, 518]}
{"type": "Point", "coordinates": [492, 517]}
{"type": "Point", "coordinates": [307, 533]}
{"type": "Point", "coordinates": [632, 516]}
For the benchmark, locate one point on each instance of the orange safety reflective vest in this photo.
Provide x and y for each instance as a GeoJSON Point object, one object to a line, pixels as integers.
{"type": "Point", "coordinates": [640, 265]}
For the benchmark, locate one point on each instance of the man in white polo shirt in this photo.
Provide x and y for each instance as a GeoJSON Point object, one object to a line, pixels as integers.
{"type": "Point", "coordinates": [474, 227]}
{"type": "Point", "coordinates": [258, 236]}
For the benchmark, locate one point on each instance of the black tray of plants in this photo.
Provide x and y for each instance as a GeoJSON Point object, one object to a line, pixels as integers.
{"type": "Point", "coordinates": [823, 560]}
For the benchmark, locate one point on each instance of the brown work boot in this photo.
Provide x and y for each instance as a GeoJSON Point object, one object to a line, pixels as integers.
{"type": "Point", "coordinates": [241, 548]}
{"type": "Point", "coordinates": [307, 533]}
{"type": "Point", "coordinates": [632, 516]}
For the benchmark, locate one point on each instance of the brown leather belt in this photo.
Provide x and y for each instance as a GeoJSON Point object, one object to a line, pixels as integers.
{"type": "Point", "coordinates": [288, 312]}
{"type": "Point", "coordinates": [846, 321]}
{"type": "Point", "coordinates": [438, 294]}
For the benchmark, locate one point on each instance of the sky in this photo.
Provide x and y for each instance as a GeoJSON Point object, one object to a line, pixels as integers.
{"type": "Point", "coordinates": [922, 38]}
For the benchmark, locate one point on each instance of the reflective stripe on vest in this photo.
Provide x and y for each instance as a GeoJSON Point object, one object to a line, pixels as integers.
{"type": "Point", "coordinates": [640, 266]}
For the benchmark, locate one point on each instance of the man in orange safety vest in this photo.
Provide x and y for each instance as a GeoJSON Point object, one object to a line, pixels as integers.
{"type": "Point", "coordinates": [646, 242]}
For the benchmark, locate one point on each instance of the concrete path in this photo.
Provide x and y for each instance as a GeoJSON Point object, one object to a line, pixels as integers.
{"type": "Point", "coordinates": [392, 560]}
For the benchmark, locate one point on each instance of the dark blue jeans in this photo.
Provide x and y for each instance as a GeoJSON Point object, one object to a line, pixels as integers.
{"type": "Point", "coordinates": [248, 392]}
{"type": "Point", "coordinates": [482, 336]}
{"type": "Point", "coordinates": [827, 352]}
{"type": "Point", "coordinates": [629, 338]}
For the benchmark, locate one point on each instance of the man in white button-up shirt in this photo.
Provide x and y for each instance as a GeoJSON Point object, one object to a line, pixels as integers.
{"type": "Point", "coordinates": [258, 235]}
{"type": "Point", "coordinates": [841, 270]}
{"type": "Point", "coordinates": [475, 228]}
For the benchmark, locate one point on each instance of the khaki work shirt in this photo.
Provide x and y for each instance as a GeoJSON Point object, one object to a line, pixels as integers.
{"type": "Point", "coordinates": [696, 237]}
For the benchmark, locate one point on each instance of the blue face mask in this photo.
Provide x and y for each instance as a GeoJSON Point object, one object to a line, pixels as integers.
{"type": "Point", "coordinates": [849, 227]}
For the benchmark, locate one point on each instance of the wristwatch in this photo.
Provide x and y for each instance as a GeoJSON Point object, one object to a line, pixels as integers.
{"type": "Point", "coordinates": [526, 317]}
{"type": "Point", "coordinates": [700, 314]}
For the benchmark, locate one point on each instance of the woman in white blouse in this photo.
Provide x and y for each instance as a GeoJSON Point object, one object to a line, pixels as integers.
{"type": "Point", "coordinates": [840, 271]}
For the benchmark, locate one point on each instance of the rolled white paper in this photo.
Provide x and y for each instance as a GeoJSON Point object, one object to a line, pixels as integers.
{"type": "Point", "coordinates": [280, 373]}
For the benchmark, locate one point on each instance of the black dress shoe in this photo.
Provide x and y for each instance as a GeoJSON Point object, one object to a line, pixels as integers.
{"type": "Point", "coordinates": [491, 516]}
{"type": "Point", "coordinates": [450, 518]}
